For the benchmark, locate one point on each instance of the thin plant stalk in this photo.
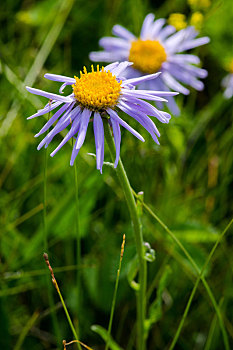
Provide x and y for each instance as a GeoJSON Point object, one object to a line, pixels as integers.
{"type": "Point", "coordinates": [45, 239]}
{"type": "Point", "coordinates": [141, 294]}
{"type": "Point", "coordinates": [78, 240]}
{"type": "Point", "coordinates": [77, 226]}
{"type": "Point", "coordinates": [46, 258]}
{"type": "Point", "coordinates": [115, 294]}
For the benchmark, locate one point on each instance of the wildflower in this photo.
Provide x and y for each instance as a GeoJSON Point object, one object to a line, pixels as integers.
{"type": "Point", "coordinates": [227, 82]}
{"type": "Point", "coordinates": [196, 20]}
{"type": "Point", "coordinates": [157, 49]}
{"type": "Point", "coordinates": [199, 4]}
{"type": "Point", "coordinates": [177, 20]}
{"type": "Point", "coordinates": [97, 94]}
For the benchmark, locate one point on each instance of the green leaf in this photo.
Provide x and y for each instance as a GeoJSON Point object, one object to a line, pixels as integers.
{"type": "Point", "coordinates": [104, 335]}
{"type": "Point", "coordinates": [132, 273]}
{"type": "Point", "coordinates": [155, 310]}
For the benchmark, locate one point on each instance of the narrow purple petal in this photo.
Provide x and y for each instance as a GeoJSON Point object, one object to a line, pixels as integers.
{"type": "Point", "coordinates": [145, 95]}
{"type": "Point", "coordinates": [194, 43]}
{"type": "Point", "coordinates": [173, 83]}
{"type": "Point", "coordinates": [45, 110]}
{"type": "Point", "coordinates": [85, 117]}
{"type": "Point", "coordinates": [60, 78]}
{"type": "Point", "coordinates": [144, 122]}
{"type": "Point", "coordinates": [157, 27]}
{"type": "Point", "coordinates": [117, 139]}
{"type": "Point", "coordinates": [109, 43]}
{"type": "Point", "coordinates": [53, 119]}
{"type": "Point", "coordinates": [164, 33]}
{"type": "Point", "coordinates": [105, 56]}
{"type": "Point", "coordinates": [139, 111]}
{"type": "Point", "coordinates": [74, 154]}
{"type": "Point", "coordinates": [74, 129]}
{"type": "Point", "coordinates": [99, 140]}
{"type": "Point", "coordinates": [49, 95]}
{"type": "Point", "coordinates": [122, 32]}
{"type": "Point", "coordinates": [135, 81]}
{"type": "Point", "coordinates": [121, 67]}
{"type": "Point", "coordinates": [181, 58]}
{"type": "Point", "coordinates": [147, 26]}
{"type": "Point", "coordinates": [115, 116]}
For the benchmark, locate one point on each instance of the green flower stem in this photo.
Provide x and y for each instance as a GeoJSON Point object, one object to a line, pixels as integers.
{"type": "Point", "coordinates": [115, 294]}
{"type": "Point", "coordinates": [141, 294]}
{"type": "Point", "coordinates": [77, 225]}
{"type": "Point", "coordinates": [45, 239]}
{"type": "Point", "coordinates": [78, 240]}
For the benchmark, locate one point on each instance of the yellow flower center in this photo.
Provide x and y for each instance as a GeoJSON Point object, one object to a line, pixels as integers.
{"type": "Point", "coordinates": [147, 55]}
{"type": "Point", "coordinates": [96, 90]}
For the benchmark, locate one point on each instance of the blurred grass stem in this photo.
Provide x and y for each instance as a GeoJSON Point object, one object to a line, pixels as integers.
{"type": "Point", "coordinates": [45, 239]}
{"type": "Point", "coordinates": [115, 294]}
{"type": "Point", "coordinates": [141, 294]}
{"type": "Point", "coordinates": [61, 298]}
{"type": "Point", "coordinates": [77, 228]}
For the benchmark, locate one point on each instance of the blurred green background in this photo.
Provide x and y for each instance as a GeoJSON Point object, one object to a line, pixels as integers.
{"type": "Point", "coordinates": [187, 181]}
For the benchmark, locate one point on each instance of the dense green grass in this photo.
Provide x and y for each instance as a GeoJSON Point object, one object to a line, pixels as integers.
{"type": "Point", "coordinates": [187, 182]}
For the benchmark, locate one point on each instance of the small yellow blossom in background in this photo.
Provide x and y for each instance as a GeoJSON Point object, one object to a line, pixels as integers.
{"type": "Point", "coordinates": [196, 20]}
{"type": "Point", "coordinates": [199, 4]}
{"type": "Point", "coordinates": [177, 20]}
{"type": "Point", "coordinates": [229, 66]}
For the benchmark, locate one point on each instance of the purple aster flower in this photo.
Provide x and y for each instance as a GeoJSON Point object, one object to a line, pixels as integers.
{"type": "Point", "coordinates": [159, 48]}
{"type": "Point", "coordinates": [98, 94]}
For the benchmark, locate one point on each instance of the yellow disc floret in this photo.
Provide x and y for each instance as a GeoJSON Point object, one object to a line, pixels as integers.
{"type": "Point", "coordinates": [147, 55]}
{"type": "Point", "coordinates": [177, 20]}
{"type": "Point", "coordinates": [96, 90]}
{"type": "Point", "coordinates": [231, 66]}
{"type": "Point", "coordinates": [197, 19]}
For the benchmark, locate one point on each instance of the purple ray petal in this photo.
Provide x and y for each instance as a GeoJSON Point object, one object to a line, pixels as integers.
{"type": "Point", "coordinates": [139, 111]}
{"type": "Point", "coordinates": [49, 95]}
{"type": "Point", "coordinates": [60, 78]}
{"type": "Point", "coordinates": [99, 140]}
{"type": "Point", "coordinates": [74, 154]}
{"type": "Point", "coordinates": [74, 129]}
{"type": "Point", "coordinates": [173, 83]}
{"type": "Point", "coordinates": [117, 139]}
{"type": "Point", "coordinates": [121, 67]}
{"type": "Point", "coordinates": [122, 32]}
{"type": "Point", "coordinates": [194, 43]}
{"type": "Point", "coordinates": [135, 81]}
{"type": "Point", "coordinates": [45, 110]}
{"type": "Point", "coordinates": [145, 122]}
{"type": "Point", "coordinates": [147, 26]}
{"type": "Point", "coordinates": [157, 27]}
{"type": "Point", "coordinates": [53, 119]}
{"type": "Point", "coordinates": [144, 95]}
{"type": "Point", "coordinates": [109, 43]}
{"type": "Point", "coordinates": [85, 117]}
{"type": "Point", "coordinates": [115, 116]}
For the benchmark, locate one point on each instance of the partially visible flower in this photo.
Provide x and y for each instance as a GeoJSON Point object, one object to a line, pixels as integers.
{"type": "Point", "coordinates": [227, 82]}
{"type": "Point", "coordinates": [158, 48]}
{"type": "Point", "coordinates": [199, 4]}
{"type": "Point", "coordinates": [177, 20]}
{"type": "Point", "coordinates": [98, 94]}
{"type": "Point", "coordinates": [196, 20]}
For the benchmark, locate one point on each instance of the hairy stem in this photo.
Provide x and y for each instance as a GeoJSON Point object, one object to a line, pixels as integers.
{"type": "Point", "coordinates": [141, 294]}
